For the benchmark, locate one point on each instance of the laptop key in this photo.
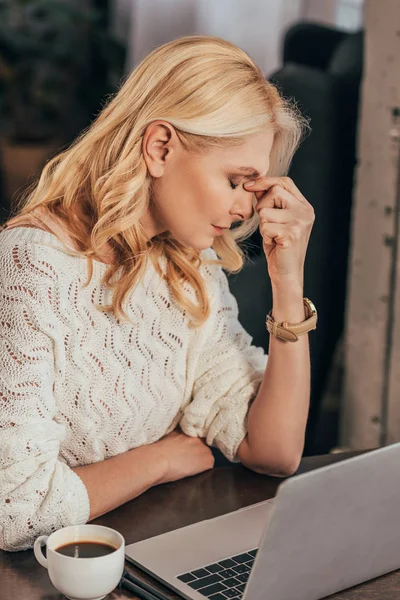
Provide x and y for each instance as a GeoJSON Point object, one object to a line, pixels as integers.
{"type": "Point", "coordinates": [241, 569]}
{"type": "Point", "coordinates": [241, 587]}
{"type": "Point", "coordinates": [186, 577]}
{"type": "Point", "coordinates": [216, 568]}
{"type": "Point", "coordinates": [253, 552]}
{"type": "Point", "coordinates": [233, 593]}
{"type": "Point", "coordinates": [212, 589]}
{"type": "Point", "coordinates": [242, 558]}
{"type": "Point", "coordinates": [197, 584]}
{"type": "Point", "coordinates": [227, 573]}
{"type": "Point", "coordinates": [249, 564]}
{"type": "Point", "coordinates": [228, 563]}
{"type": "Point", "coordinates": [232, 582]}
{"type": "Point", "coordinates": [200, 573]}
{"type": "Point", "coordinates": [242, 577]}
{"type": "Point", "coordinates": [217, 596]}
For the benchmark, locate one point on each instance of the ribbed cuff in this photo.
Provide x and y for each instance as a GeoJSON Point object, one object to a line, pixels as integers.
{"type": "Point", "coordinates": [230, 426]}
{"type": "Point", "coordinates": [229, 438]}
{"type": "Point", "coordinates": [83, 505]}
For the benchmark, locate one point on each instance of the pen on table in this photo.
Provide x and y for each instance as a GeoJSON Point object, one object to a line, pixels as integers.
{"type": "Point", "coordinates": [142, 586]}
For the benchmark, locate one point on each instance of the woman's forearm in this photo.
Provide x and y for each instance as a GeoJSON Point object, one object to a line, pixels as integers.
{"type": "Point", "coordinates": [278, 415]}
{"type": "Point", "coordinates": [117, 480]}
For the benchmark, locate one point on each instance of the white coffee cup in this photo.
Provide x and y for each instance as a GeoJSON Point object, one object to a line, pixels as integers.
{"type": "Point", "coordinates": [82, 578]}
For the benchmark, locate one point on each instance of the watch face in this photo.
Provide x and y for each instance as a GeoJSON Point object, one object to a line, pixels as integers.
{"type": "Point", "coordinates": [311, 307]}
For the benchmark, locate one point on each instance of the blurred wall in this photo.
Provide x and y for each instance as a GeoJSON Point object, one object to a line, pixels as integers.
{"type": "Point", "coordinates": [257, 26]}
{"type": "Point", "coordinates": [156, 22]}
{"type": "Point", "coordinates": [345, 14]}
{"type": "Point", "coordinates": [321, 11]}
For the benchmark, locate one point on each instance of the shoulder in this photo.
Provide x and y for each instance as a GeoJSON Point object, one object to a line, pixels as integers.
{"type": "Point", "coordinates": [210, 267]}
{"type": "Point", "coordinates": [31, 257]}
{"type": "Point", "coordinates": [215, 277]}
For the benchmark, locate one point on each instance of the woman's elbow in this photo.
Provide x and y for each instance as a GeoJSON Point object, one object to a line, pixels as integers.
{"type": "Point", "coordinates": [284, 466]}
{"type": "Point", "coordinates": [18, 532]}
{"type": "Point", "coordinates": [273, 460]}
{"type": "Point", "coordinates": [12, 541]}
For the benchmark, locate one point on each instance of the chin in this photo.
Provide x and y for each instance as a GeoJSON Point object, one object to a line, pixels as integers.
{"type": "Point", "coordinates": [202, 245]}
{"type": "Point", "coordinates": [198, 243]}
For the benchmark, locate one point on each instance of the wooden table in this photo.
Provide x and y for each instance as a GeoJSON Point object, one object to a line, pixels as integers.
{"type": "Point", "coordinates": [174, 505]}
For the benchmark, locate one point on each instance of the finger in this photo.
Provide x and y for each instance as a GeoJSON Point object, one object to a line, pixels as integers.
{"type": "Point", "coordinates": [288, 184]}
{"type": "Point", "coordinates": [277, 197]}
{"type": "Point", "coordinates": [265, 183]}
{"type": "Point", "coordinates": [276, 234]}
{"type": "Point", "coordinates": [275, 215]}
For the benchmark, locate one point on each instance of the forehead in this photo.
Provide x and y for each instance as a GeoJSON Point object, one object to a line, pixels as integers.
{"type": "Point", "coordinates": [253, 152]}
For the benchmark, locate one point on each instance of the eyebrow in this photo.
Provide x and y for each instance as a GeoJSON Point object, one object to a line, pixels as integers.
{"type": "Point", "coordinates": [250, 170]}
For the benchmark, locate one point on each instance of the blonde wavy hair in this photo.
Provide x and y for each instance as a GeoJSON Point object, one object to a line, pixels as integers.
{"type": "Point", "coordinates": [213, 94]}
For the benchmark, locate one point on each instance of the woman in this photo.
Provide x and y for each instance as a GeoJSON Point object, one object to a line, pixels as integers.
{"type": "Point", "coordinates": [122, 358]}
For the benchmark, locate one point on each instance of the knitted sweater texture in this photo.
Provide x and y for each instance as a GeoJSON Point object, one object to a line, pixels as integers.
{"type": "Point", "coordinates": [78, 386]}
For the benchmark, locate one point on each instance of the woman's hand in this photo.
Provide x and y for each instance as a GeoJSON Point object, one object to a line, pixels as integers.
{"type": "Point", "coordinates": [183, 456]}
{"type": "Point", "coordinates": [173, 457]}
{"type": "Point", "coordinates": [286, 221]}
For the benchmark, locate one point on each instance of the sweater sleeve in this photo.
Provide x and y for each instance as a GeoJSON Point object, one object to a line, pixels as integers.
{"type": "Point", "coordinates": [39, 493]}
{"type": "Point", "coordinates": [228, 374]}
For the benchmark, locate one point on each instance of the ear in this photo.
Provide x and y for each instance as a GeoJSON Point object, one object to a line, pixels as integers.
{"type": "Point", "coordinates": [159, 142]}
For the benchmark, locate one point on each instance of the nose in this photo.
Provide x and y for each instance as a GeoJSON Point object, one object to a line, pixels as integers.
{"type": "Point", "coordinates": [243, 209]}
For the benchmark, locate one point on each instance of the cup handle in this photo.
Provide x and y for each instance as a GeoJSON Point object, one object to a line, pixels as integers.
{"type": "Point", "coordinates": [37, 549]}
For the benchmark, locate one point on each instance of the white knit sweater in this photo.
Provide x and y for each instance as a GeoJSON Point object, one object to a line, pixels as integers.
{"type": "Point", "coordinates": [78, 386]}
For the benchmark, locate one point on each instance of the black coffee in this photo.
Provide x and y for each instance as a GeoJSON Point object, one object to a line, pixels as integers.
{"type": "Point", "coordinates": [85, 549]}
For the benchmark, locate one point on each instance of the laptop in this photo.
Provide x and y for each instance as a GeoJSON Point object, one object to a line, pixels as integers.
{"type": "Point", "coordinates": [325, 530]}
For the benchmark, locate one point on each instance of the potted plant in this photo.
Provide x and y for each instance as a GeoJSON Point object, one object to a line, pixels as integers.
{"type": "Point", "coordinates": [50, 80]}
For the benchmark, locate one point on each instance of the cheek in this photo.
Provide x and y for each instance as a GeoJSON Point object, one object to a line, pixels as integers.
{"type": "Point", "coordinates": [214, 198]}
{"type": "Point", "coordinates": [202, 200]}
{"type": "Point", "coordinates": [191, 199]}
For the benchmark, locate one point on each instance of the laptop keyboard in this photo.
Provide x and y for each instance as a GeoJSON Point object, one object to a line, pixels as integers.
{"type": "Point", "coordinates": [224, 579]}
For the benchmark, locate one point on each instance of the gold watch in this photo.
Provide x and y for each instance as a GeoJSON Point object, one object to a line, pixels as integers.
{"type": "Point", "coordinates": [290, 332]}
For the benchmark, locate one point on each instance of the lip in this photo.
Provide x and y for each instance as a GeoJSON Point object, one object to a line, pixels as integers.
{"type": "Point", "coordinates": [219, 230]}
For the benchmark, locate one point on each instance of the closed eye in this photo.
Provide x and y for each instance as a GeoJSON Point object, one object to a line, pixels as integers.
{"type": "Point", "coordinates": [233, 185]}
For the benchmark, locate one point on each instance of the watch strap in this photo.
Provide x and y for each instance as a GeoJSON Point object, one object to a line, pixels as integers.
{"type": "Point", "coordinates": [290, 332]}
